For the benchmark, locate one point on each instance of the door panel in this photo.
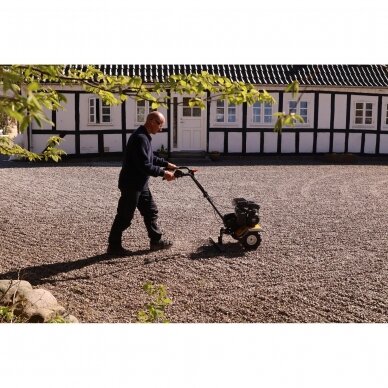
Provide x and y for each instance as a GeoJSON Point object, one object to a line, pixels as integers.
{"type": "Point", "coordinates": [191, 140]}
{"type": "Point", "coordinates": [190, 127]}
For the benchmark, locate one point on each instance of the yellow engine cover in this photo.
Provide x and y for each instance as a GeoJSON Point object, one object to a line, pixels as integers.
{"type": "Point", "coordinates": [244, 229]}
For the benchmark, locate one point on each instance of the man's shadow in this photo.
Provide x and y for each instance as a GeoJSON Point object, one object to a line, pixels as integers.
{"type": "Point", "coordinates": [40, 274]}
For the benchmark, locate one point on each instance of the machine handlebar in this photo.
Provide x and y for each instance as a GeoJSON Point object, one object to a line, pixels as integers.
{"type": "Point", "coordinates": [184, 171]}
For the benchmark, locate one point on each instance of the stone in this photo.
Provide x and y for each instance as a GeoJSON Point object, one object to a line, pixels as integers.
{"type": "Point", "coordinates": [72, 319]}
{"type": "Point", "coordinates": [32, 305]}
{"type": "Point", "coordinates": [13, 290]}
{"type": "Point", "coordinates": [40, 298]}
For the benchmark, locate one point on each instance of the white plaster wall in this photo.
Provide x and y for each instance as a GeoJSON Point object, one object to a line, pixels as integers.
{"type": "Point", "coordinates": [112, 143]}
{"type": "Point", "coordinates": [216, 141]}
{"type": "Point", "coordinates": [21, 139]}
{"type": "Point", "coordinates": [323, 142]}
{"type": "Point", "coordinates": [88, 144]}
{"type": "Point", "coordinates": [306, 141]}
{"type": "Point", "coordinates": [354, 143]}
{"type": "Point", "coordinates": [253, 142]}
{"type": "Point", "coordinates": [68, 144]}
{"type": "Point", "coordinates": [339, 142]}
{"type": "Point", "coordinates": [84, 115]}
{"type": "Point", "coordinates": [158, 140]}
{"type": "Point", "coordinates": [383, 144]}
{"type": "Point", "coordinates": [340, 111]}
{"type": "Point", "coordinates": [270, 142]}
{"type": "Point", "coordinates": [66, 117]}
{"type": "Point", "coordinates": [324, 111]}
{"type": "Point", "coordinates": [44, 125]}
{"type": "Point", "coordinates": [234, 142]}
{"type": "Point", "coordinates": [370, 143]}
{"type": "Point", "coordinates": [384, 126]}
{"type": "Point", "coordinates": [39, 142]}
{"type": "Point", "coordinates": [288, 143]}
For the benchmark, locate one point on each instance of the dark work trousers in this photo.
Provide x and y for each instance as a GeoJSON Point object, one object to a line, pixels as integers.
{"type": "Point", "coordinates": [130, 200]}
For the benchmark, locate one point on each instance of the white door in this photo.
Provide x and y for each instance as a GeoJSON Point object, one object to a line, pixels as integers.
{"type": "Point", "coordinates": [188, 130]}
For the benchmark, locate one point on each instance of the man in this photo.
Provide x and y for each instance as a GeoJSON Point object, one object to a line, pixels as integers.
{"type": "Point", "coordinates": [138, 165]}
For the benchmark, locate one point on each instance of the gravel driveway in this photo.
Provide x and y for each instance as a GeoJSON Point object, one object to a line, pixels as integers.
{"type": "Point", "coordinates": [323, 257]}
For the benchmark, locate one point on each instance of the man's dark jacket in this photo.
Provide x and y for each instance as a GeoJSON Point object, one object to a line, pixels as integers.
{"type": "Point", "coordinates": [139, 162]}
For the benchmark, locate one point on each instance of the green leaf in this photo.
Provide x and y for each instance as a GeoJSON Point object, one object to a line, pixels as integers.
{"type": "Point", "coordinates": [33, 86]}
{"type": "Point", "coordinates": [293, 88]}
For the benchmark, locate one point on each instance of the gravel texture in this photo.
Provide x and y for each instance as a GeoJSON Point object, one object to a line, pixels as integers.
{"type": "Point", "coordinates": [323, 257]}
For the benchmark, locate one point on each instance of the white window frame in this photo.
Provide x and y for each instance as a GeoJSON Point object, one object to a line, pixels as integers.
{"type": "Point", "coordinates": [187, 109]}
{"type": "Point", "coordinates": [229, 110]}
{"type": "Point", "coordinates": [261, 124]}
{"type": "Point", "coordinates": [262, 107]}
{"type": "Point", "coordinates": [364, 100]}
{"type": "Point", "coordinates": [384, 114]}
{"type": "Point", "coordinates": [267, 113]}
{"type": "Point", "coordinates": [366, 107]}
{"type": "Point", "coordinates": [300, 108]}
{"type": "Point", "coordinates": [147, 110]}
{"type": "Point", "coordinates": [98, 116]}
{"type": "Point", "coordinates": [307, 98]}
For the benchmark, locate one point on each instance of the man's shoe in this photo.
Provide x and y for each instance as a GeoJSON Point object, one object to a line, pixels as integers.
{"type": "Point", "coordinates": [117, 251]}
{"type": "Point", "coordinates": [161, 244]}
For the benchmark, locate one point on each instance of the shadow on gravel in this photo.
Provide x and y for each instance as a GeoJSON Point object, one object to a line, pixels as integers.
{"type": "Point", "coordinates": [39, 274]}
{"type": "Point", "coordinates": [226, 160]}
{"type": "Point", "coordinates": [285, 159]}
{"type": "Point", "coordinates": [62, 164]}
{"type": "Point", "coordinates": [206, 252]}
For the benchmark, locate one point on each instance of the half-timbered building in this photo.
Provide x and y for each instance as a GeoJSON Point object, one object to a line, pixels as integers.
{"type": "Point", "coordinates": [344, 107]}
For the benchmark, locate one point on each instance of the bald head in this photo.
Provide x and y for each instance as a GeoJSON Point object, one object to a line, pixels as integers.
{"type": "Point", "coordinates": [154, 122]}
{"type": "Point", "coordinates": [155, 116]}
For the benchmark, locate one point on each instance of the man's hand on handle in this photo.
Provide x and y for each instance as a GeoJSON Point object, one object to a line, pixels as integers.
{"type": "Point", "coordinates": [169, 172]}
{"type": "Point", "coordinates": [168, 175]}
{"type": "Point", "coordinates": [171, 166]}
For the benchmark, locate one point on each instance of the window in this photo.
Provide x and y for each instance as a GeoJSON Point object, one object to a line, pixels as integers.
{"type": "Point", "coordinates": [363, 113]}
{"type": "Point", "coordinates": [99, 112]}
{"type": "Point", "coordinates": [226, 112]}
{"type": "Point", "coordinates": [261, 113]}
{"type": "Point", "coordinates": [386, 115]}
{"type": "Point", "coordinates": [195, 111]}
{"type": "Point", "coordinates": [300, 109]}
{"type": "Point", "coordinates": [142, 111]}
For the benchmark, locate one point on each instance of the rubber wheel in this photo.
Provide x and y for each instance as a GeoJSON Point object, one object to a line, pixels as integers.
{"type": "Point", "coordinates": [251, 240]}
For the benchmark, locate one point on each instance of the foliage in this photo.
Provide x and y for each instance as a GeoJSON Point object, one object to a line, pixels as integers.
{"type": "Point", "coordinates": [285, 120]}
{"type": "Point", "coordinates": [29, 89]}
{"type": "Point", "coordinates": [162, 152]}
{"type": "Point", "coordinates": [6, 314]}
{"type": "Point", "coordinates": [12, 312]}
{"type": "Point", "coordinates": [5, 122]}
{"type": "Point", "coordinates": [57, 319]}
{"type": "Point", "coordinates": [51, 152]}
{"type": "Point", "coordinates": [154, 311]}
